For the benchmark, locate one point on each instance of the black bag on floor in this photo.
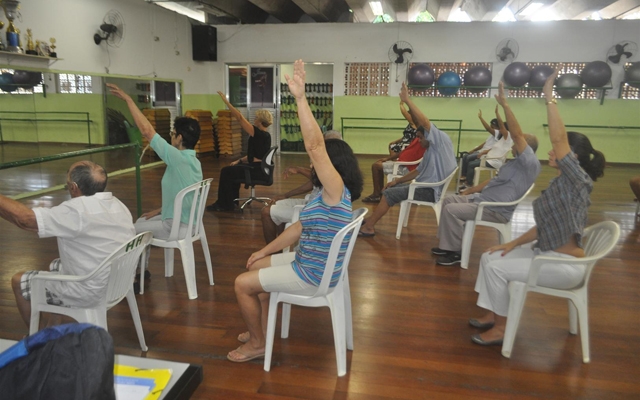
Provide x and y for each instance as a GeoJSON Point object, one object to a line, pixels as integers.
{"type": "Point", "coordinates": [66, 362]}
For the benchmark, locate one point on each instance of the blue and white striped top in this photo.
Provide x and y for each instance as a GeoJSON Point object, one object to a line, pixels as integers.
{"type": "Point", "coordinates": [320, 223]}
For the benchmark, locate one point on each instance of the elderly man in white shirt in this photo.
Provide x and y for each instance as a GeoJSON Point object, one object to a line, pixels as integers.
{"type": "Point", "coordinates": [89, 227]}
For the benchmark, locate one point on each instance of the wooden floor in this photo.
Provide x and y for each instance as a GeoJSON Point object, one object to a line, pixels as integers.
{"type": "Point", "coordinates": [412, 340]}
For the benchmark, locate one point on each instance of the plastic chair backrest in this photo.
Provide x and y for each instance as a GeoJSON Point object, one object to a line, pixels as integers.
{"type": "Point", "coordinates": [200, 191]}
{"type": "Point", "coordinates": [598, 240]}
{"type": "Point", "coordinates": [351, 229]}
{"type": "Point", "coordinates": [122, 265]}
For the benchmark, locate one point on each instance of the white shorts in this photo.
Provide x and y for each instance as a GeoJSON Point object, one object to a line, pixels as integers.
{"type": "Point", "coordinates": [280, 276]}
{"type": "Point", "coordinates": [387, 168]}
{"type": "Point", "coordinates": [282, 211]}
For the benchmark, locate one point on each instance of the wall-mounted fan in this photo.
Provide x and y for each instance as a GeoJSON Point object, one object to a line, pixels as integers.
{"type": "Point", "coordinates": [507, 50]}
{"type": "Point", "coordinates": [400, 54]}
{"type": "Point", "coordinates": [622, 51]}
{"type": "Point", "coordinates": [111, 29]}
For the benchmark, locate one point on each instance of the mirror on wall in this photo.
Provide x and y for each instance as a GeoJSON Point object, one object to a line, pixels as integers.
{"type": "Point", "coordinates": [63, 112]}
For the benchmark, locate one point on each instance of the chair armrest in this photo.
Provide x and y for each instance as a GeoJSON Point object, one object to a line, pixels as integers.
{"type": "Point", "coordinates": [53, 276]}
{"type": "Point", "coordinates": [397, 164]}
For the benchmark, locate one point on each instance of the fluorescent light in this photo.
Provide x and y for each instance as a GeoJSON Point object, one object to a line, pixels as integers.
{"type": "Point", "coordinates": [180, 9]}
{"type": "Point", "coordinates": [544, 15]}
{"type": "Point", "coordinates": [459, 16]}
{"type": "Point", "coordinates": [376, 7]}
{"type": "Point", "coordinates": [505, 15]}
{"type": "Point", "coordinates": [530, 9]}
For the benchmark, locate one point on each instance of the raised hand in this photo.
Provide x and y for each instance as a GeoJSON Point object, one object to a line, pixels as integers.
{"type": "Point", "coordinates": [116, 91]}
{"type": "Point", "coordinates": [501, 98]}
{"type": "Point", "coordinates": [296, 83]}
{"type": "Point", "coordinates": [548, 86]}
{"type": "Point", "coordinates": [404, 93]}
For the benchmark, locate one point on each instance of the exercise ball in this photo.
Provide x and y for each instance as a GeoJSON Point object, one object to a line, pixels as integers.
{"type": "Point", "coordinates": [516, 74]}
{"type": "Point", "coordinates": [539, 75]}
{"type": "Point", "coordinates": [23, 79]}
{"type": "Point", "coordinates": [568, 86]}
{"type": "Point", "coordinates": [632, 75]}
{"type": "Point", "coordinates": [6, 82]}
{"type": "Point", "coordinates": [477, 76]}
{"type": "Point", "coordinates": [596, 74]}
{"type": "Point", "coordinates": [35, 78]}
{"type": "Point", "coordinates": [449, 83]}
{"type": "Point", "coordinates": [421, 75]}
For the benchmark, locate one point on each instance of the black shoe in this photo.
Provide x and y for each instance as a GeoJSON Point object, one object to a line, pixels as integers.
{"type": "Point", "coordinates": [216, 207]}
{"type": "Point", "coordinates": [450, 259]}
{"type": "Point", "coordinates": [439, 252]}
{"type": "Point", "coordinates": [478, 340]}
{"type": "Point", "coordinates": [477, 324]}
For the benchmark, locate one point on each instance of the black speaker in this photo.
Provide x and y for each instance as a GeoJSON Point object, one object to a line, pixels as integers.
{"type": "Point", "coordinates": [204, 39]}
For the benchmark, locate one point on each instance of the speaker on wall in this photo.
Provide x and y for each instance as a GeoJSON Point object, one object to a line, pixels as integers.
{"type": "Point", "coordinates": [204, 39]}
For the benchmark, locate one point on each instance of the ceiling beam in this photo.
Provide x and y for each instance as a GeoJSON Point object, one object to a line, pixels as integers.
{"type": "Point", "coordinates": [570, 9]}
{"type": "Point", "coordinates": [284, 10]}
{"type": "Point", "coordinates": [445, 9]}
{"type": "Point", "coordinates": [483, 10]}
{"type": "Point", "coordinates": [323, 10]}
{"type": "Point", "coordinates": [620, 7]}
{"type": "Point", "coordinates": [243, 10]}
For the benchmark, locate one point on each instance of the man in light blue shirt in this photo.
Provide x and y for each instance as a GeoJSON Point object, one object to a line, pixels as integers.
{"type": "Point", "coordinates": [438, 163]}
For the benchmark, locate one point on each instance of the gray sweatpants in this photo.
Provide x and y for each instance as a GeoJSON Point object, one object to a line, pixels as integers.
{"type": "Point", "coordinates": [456, 210]}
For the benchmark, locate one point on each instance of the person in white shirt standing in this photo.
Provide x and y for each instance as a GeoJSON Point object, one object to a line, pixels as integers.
{"type": "Point", "coordinates": [89, 227]}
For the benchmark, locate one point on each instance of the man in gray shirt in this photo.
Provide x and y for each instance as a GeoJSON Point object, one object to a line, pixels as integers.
{"type": "Point", "coordinates": [512, 182]}
{"type": "Point", "coordinates": [438, 163]}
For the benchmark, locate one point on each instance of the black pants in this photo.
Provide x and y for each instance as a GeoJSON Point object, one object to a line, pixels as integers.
{"type": "Point", "coordinates": [231, 177]}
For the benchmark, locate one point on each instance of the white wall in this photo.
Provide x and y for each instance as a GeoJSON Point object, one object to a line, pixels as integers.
{"type": "Point", "coordinates": [578, 41]}
{"type": "Point", "coordinates": [74, 22]}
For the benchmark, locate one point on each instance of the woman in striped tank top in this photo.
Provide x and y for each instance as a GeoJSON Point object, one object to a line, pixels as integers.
{"type": "Point", "coordinates": [335, 169]}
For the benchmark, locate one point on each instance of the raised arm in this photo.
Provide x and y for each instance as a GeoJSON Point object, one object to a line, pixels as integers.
{"type": "Point", "coordinates": [514, 127]}
{"type": "Point", "coordinates": [484, 123]}
{"type": "Point", "coordinates": [146, 129]}
{"type": "Point", "coordinates": [331, 180]}
{"type": "Point", "coordinates": [18, 214]}
{"type": "Point", "coordinates": [419, 119]}
{"type": "Point", "coordinates": [557, 130]}
{"type": "Point", "coordinates": [406, 114]}
{"type": "Point", "coordinates": [244, 124]}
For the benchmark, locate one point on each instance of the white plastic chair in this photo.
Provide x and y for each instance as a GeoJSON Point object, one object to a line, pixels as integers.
{"type": "Point", "coordinates": [396, 168]}
{"type": "Point", "coordinates": [195, 231]}
{"type": "Point", "coordinates": [405, 205]}
{"type": "Point", "coordinates": [483, 167]}
{"type": "Point", "coordinates": [122, 264]}
{"type": "Point", "coordinates": [338, 299]}
{"type": "Point", "coordinates": [504, 230]}
{"type": "Point", "coordinates": [296, 216]}
{"type": "Point", "coordinates": [598, 240]}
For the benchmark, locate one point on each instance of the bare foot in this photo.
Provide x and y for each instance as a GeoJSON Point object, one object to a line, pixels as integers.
{"type": "Point", "coordinates": [244, 337]}
{"type": "Point", "coordinates": [244, 354]}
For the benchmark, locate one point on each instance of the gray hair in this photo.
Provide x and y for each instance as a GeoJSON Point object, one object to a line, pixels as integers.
{"type": "Point", "coordinates": [90, 177]}
{"type": "Point", "coordinates": [332, 134]}
{"type": "Point", "coordinates": [532, 141]}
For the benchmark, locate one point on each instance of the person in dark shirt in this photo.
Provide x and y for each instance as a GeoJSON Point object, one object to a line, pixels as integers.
{"type": "Point", "coordinates": [232, 176]}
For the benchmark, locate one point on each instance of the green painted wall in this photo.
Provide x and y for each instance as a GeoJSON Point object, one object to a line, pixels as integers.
{"type": "Point", "coordinates": [618, 145]}
{"type": "Point", "coordinates": [50, 131]}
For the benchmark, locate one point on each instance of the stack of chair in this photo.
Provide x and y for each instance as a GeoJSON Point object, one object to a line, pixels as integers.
{"type": "Point", "coordinates": [160, 119]}
{"type": "Point", "coordinates": [205, 119]}
{"type": "Point", "coordinates": [229, 133]}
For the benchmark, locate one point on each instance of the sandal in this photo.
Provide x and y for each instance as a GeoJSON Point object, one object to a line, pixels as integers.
{"type": "Point", "coordinates": [371, 199]}
{"type": "Point", "coordinates": [243, 357]}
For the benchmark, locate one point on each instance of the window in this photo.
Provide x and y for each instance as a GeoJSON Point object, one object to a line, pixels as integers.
{"type": "Point", "coordinates": [460, 69]}
{"type": "Point", "coordinates": [6, 88]}
{"type": "Point", "coordinates": [627, 91]}
{"type": "Point", "coordinates": [366, 79]}
{"type": "Point", "coordinates": [71, 83]}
